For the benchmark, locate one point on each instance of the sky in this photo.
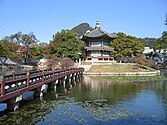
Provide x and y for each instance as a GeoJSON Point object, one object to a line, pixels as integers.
{"type": "Point", "coordinates": [139, 18]}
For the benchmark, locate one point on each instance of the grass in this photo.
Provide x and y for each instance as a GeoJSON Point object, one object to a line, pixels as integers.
{"type": "Point", "coordinates": [119, 68]}
{"type": "Point", "coordinates": [86, 63]}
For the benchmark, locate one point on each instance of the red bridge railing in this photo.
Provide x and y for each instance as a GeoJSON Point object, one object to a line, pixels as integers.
{"type": "Point", "coordinates": [17, 83]}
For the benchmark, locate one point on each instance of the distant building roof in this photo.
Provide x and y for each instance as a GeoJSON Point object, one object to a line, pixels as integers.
{"type": "Point", "coordinates": [43, 60]}
{"type": "Point", "coordinates": [147, 50]}
{"type": "Point", "coordinates": [98, 32]}
{"type": "Point", "coordinates": [8, 61]}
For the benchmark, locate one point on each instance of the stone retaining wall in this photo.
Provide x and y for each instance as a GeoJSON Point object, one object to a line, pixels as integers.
{"type": "Point", "coordinates": [156, 73]}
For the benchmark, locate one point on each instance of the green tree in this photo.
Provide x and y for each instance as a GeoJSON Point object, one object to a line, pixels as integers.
{"type": "Point", "coordinates": [44, 48]}
{"type": "Point", "coordinates": [164, 40]}
{"type": "Point", "coordinates": [126, 46]}
{"type": "Point", "coordinates": [161, 42]}
{"type": "Point", "coordinates": [64, 44]}
{"type": "Point", "coordinates": [1, 48]}
{"type": "Point", "coordinates": [149, 42]}
{"type": "Point", "coordinates": [159, 45]}
{"type": "Point", "coordinates": [36, 52]}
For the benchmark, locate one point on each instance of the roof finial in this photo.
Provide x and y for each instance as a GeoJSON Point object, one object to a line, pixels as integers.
{"type": "Point", "coordinates": [97, 25]}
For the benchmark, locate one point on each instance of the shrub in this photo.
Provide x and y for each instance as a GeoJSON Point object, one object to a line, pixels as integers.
{"type": "Point", "coordinates": [141, 60]}
{"type": "Point", "coordinates": [58, 63]}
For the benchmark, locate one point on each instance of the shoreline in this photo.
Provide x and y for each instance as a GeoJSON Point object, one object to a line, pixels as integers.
{"type": "Point", "coordinates": [155, 73]}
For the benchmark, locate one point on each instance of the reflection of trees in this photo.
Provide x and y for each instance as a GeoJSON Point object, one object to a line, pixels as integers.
{"type": "Point", "coordinates": [32, 112]}
{"type": "Point", "coordinates": [161, 90]}
{"type": "Point", "coordinates": [97, 94]}
{"type": "Point", "coordinates": [113, 92]}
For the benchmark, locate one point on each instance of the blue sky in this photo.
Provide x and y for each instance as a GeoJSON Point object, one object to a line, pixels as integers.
{"type": "Point", "coordinates": [140, 18]}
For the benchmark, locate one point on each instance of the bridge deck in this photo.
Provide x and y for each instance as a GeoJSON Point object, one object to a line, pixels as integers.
{"type": "Point", "coordinates": [18, 83]}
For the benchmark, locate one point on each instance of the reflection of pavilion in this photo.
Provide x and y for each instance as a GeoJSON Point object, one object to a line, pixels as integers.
{"type": "Point", "coordinates": [101, 88]}
{"type": "Point", "coordinates": [95, 84]}
{"type": "Point", "coordinates": [98, 44]}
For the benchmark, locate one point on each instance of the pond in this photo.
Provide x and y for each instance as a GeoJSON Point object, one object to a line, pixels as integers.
{"type": "Point", "coordinates": [96, 101]}
{"type": "Point", "coordinates": [16, 70]}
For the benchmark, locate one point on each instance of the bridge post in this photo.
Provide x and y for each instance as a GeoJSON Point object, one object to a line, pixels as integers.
{"type": "Point", "coordinates": [80, 75]}
{"type": "Point", "coordinates": [44, 89]}
{"type": "Point", "coordinates": [14, 103]}
{"type": "Point", "coordinates": [66, 78]}
{"type": "Point", "coordinates": [76, 77]}
{"type": "Point", "coordinates": [17, 102]}
{"type": "Point", "coordinates": [64, 83]}
{"type": "Point", "coordinates": [28, 78]}
{"type": "Point", "coordinates": [55, 85]}
{"type": "Point", "coordinates": [73, 78]}
{"type": "Point", "coordinates": [43, 79]}
{"type": "Point", "coordinates": [2, 86]}
{"type": "Point", "coordinates": [14, 75]}
{"type": "Point", "coordinates": [70, 80]}
{"type": "Point", "coordinates": [43, 86]}
{"type": "Point", "coordinates": [79, 78]}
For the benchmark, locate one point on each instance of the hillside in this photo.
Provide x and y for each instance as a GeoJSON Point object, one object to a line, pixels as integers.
{"type": "Point", "coordinates": [82, 28]}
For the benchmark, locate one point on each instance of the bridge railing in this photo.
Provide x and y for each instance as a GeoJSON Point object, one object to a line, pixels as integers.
{"type": "Point", "coordinates": [17, 81]}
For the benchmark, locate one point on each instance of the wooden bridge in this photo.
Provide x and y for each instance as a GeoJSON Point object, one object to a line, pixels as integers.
{"type": "Point", "coordinates": [13, 86]}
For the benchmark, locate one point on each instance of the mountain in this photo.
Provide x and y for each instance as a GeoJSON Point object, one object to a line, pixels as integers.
{"type": "Point", "coordinates": [82, 28]}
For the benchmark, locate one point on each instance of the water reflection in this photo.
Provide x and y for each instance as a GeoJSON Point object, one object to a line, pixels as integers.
{"type": "Point", "coordinates": [163, 72]}
{"type": "Point", "coordinates": [96, 100]}
{"type": "Point", "coordinates": [95, 88]}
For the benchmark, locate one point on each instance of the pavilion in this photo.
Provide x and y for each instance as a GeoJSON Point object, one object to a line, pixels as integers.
{"type": "Point", "coordinates": [98, 44]}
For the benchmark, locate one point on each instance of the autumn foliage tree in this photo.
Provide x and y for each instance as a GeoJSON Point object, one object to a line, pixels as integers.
{"type": "Point", "coordinates": [27, 46]}
{"type": "Point", "coordinates": [8, 50]}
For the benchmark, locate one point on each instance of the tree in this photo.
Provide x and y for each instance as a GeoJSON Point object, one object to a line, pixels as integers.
{"type": "Point", "coordinates": [149, 42]}
{"type": "Point", "coordinates": [164, 40]}
{"type": "Point", "coordinates": [126, 46]}
{"type": "Point", "coordinates": [1, 48]}
{"type": "Point", "coordinates": [64, 44]}
{"type": "Point", "coordinates": [36, 52]}
{"type": "Point", "coordinates": [158, 45]}
{"type": "Point", "coordinates": [27, 45]}
{"type": "Point", "coordinates": [8, 50]}
{"type": "Point", "coordinates": [161, 42]}
{"type": "Point", "coordinates": [44, 49]}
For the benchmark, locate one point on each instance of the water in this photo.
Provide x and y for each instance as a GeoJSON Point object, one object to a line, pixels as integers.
{"type": "Point", "coordinates": [16, 70]}
{"type": "Point", "coordinates": [96, 101]}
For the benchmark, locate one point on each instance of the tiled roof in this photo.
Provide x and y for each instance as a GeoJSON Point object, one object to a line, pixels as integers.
{"type": "Point", "coordinates": [98, 33]}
